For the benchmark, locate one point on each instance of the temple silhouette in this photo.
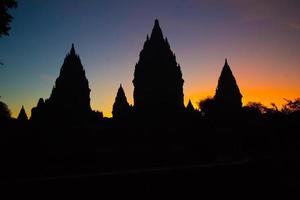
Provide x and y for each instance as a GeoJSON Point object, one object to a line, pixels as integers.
{"type": "Point", "coordinates": [158, 83]}
{"type": "Point", "coordinates": [158, 89]}
{"type": "Point", "coordinates": [121, 108]}
{"type": "Point", "coordinates": [70, 97]}
{"type": "Point", "coordinates": [189, 107]}
{"type": "Point", "coordinates": [227, 101]}
{"type": "Point", "coordinates": [22, 116]}
{"type": "Point", "coordinates": [228, 97]}
{"type": "Point", "coordinates": [158, 136]}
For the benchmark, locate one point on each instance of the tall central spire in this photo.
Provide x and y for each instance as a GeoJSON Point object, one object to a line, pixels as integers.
{"type": "Point", "coordinates": [158, 83]}
{"type": "Point", "coordinates": [72, 64]}
{"type": "Point", "coordinates": [72, 51]}
{"type": "Point", "coordinates": [156, 32]}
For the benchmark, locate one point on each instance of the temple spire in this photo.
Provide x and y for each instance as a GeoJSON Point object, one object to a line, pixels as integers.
{"type": "Point", "coordinates": [156, 31]}
{"type": "Point", "coordinates": [227, 93]}
{"type": "Point", "coordinates": [190, 107]}
{"type": "Point", "coordinates": [158, 83]}
{"type": "Point", "coordinates": [22, 115]}
{"type": "Point", "coordinates": [121, 108]}
{"type": "Point", "coordinates": [72, 51]}
{"type": "Point", "coordinates": [69, 101]}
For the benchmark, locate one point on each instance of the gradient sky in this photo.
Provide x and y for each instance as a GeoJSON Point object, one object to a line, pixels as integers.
{"type": "Point", "coordinates": [260, 38]}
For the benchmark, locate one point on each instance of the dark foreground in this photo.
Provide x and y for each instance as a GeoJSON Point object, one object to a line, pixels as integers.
{"type": "Point", "coordinates": [247, 176]}
{"type": "Point", "coordinates": [196, 156]}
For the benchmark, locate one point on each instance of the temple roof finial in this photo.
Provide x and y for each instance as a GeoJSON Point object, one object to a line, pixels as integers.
{"type": "Point", "coordinates": [156, 32]}
{"type": "Point", "coordinates": [190, 106]}
{"type": "Point", "coordinates": [72, 51]}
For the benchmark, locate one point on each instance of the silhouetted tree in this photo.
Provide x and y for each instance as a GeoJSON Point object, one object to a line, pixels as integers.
{"type": "Point", "coordinates": [121, 108]}
{"type": "Point", "coordinates": [22, 115]}
{"type": "Point", "coordinates": [254, 110]}
{"type": "Point", "coordinates": [291, 106]}
{"type": "Point", "coordinates": [96, 116]}
{"type": "Point", "coordinates": [207, 106]}
{"type": "Point", "coordinates": [228, 98]}
{"type": "Point", "coordinates": [4, 112]}
{"type": "Point", "coordinates": [274, 107]}
{"type": "Point", "coordinates": [158, 83]}
{"type": "Point", "coordinates": [257, 107]}
{"type": "Point", "coordinates": [5, 18]}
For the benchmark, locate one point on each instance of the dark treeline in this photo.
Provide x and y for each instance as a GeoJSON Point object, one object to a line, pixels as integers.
{"type": "Point", "coordinates": [64, 136]}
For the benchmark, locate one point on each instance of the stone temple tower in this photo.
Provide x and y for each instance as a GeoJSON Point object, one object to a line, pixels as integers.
{"type": "Point", "coordinates": [71, 90]}
{"type": "Point", "coordinates": [228, 96]}
{"type": "Point", "coordinates": [158, 83]}
{"type": "Point", "coordinates": [70, 96]}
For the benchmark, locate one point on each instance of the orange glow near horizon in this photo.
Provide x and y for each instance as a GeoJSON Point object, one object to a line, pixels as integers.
{"type": "Point", "coordinates": [264, 95]}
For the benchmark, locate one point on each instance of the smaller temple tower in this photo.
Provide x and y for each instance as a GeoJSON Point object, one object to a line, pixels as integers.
{"type": "Point", "coordinates": [190, 108]}
{"type": "Point", "coordinates": [70, 97]}
{"type": "Point", "coordinates": [22, 115]}
{"type": "Point", "coordinates": [121, 108]}
{"type": "Point", "coordinates": [228, 97]}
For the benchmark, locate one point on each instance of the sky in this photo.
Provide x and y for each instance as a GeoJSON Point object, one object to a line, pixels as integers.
{"type": "Point", "coordinates": [260, 39]}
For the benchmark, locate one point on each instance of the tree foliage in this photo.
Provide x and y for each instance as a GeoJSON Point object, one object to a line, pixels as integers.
{"type": "Point", "coordinates": [5, 17]}
{"type": "Point", "coordinates": [4, 111]}
{"type": "Point", "coordinates": [207, 106]}
{"type": "Point", "coordinates": [257, 106]}
{"type": "Point", "coordinates": [291, 106]}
